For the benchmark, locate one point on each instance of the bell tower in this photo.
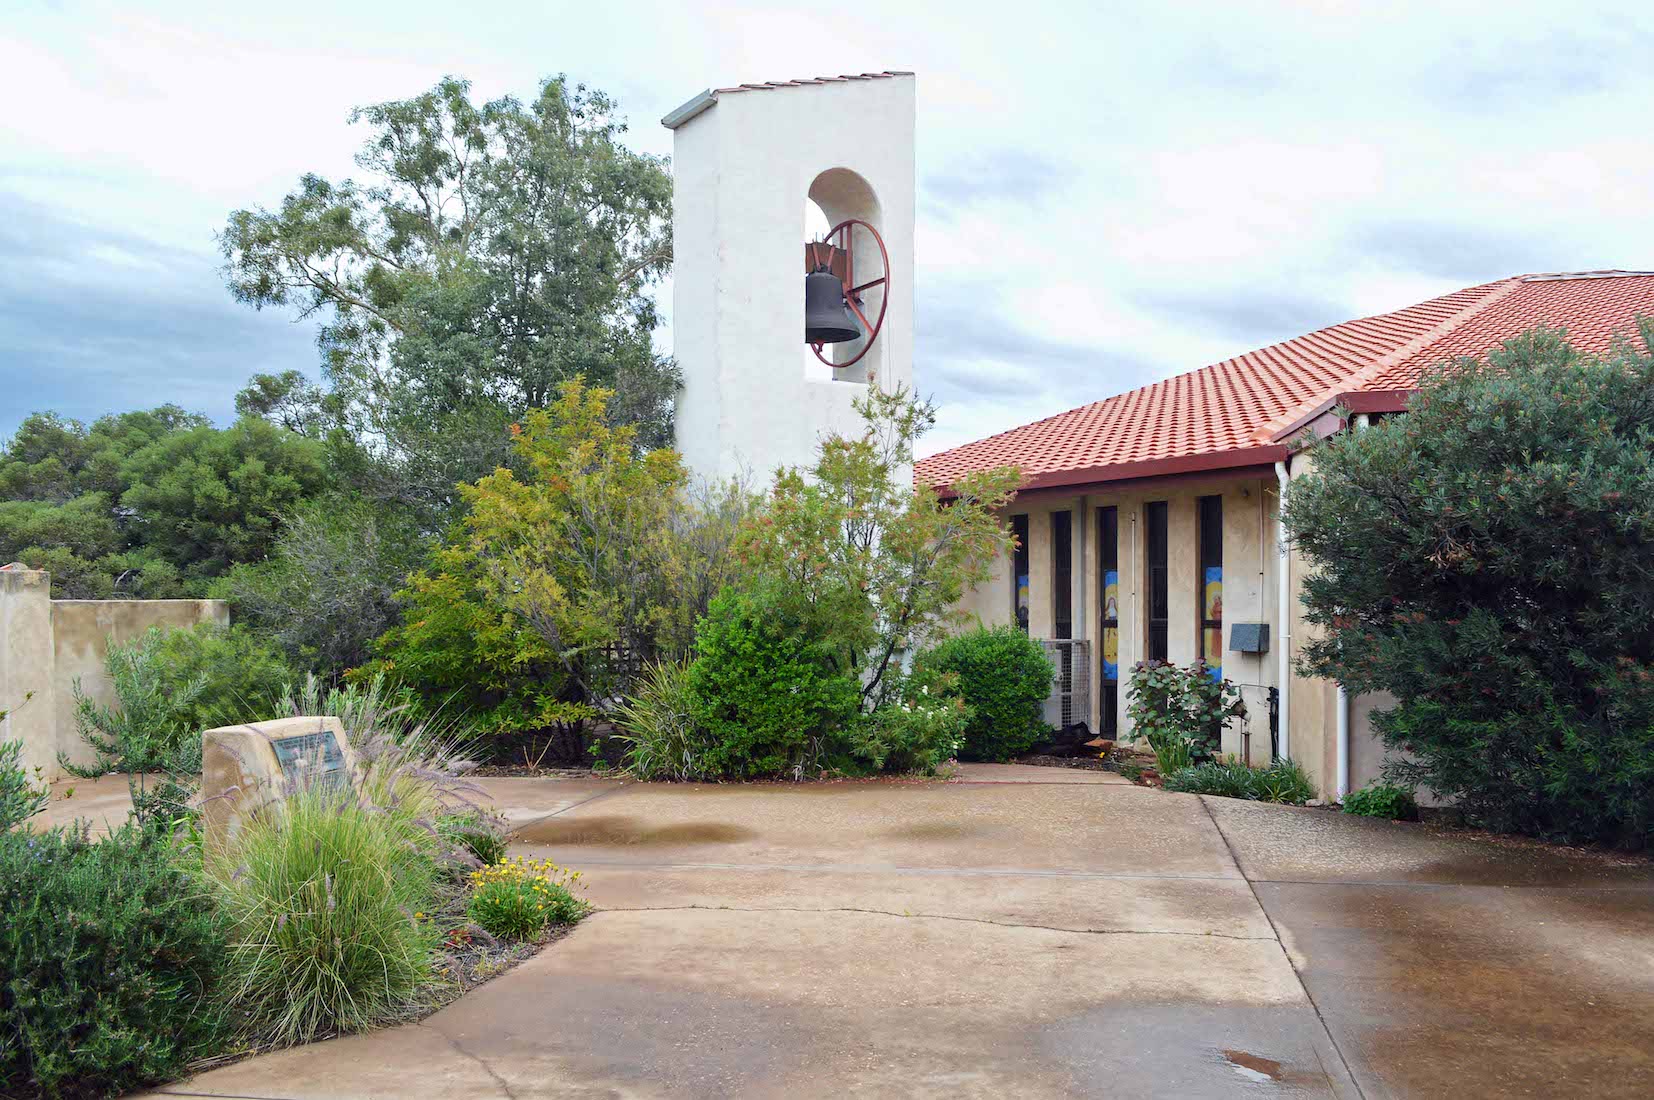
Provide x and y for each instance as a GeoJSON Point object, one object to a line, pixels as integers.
{"type": "Point", "coordinates": [746, 162]}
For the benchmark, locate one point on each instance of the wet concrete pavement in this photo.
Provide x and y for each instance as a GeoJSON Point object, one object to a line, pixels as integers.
{"type": "Point", "coordinates": [1063, 936]}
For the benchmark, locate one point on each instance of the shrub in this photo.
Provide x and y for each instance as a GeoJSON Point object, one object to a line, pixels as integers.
{"type": "Point", "coordinates": [658, 728]}
{"type": "Point", "coordinates": [170, 685]}
{"type": "Point", "coordinates": [329, 587]}
{"type": "Point", "coordinates": [516, 898]}
{"type": "Point", "coordinates": [242, 676]}
{"type": "Point", "coordinates": [20, 797]}
{"type": "Point", "coordinates": [1004, 677]}
{"type": "Point", "coordinates": [1180, 712]}
{"type": "Point", "coordinates": [1282, 781]}
{"type": "Point", "coordinates": [110, 952]}
{"type": "Point", "coordinates": [918, 732]}
{"type": "Point", "coordinates": [1485, 559]}
{"type": "Point", "coordinates": [325, 897]}
{"type": "Point", "coordinates": [765, 684]}
{"type": "Point", "coordinates": [1382, 800]}
{"type": "Point", "coordinates": [879, 560]}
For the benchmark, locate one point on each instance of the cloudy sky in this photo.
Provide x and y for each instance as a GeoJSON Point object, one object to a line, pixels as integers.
{"type": "Point", "coordinates": [1109, 193]}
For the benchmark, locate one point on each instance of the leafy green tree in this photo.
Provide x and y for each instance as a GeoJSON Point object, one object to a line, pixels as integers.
{"type": "Point", "coordinates": [493, 252]}
{"type": "Point", "coordinates": [1488, 558]}
{"type": "Point", "coordinates": [883, 559]}
{"type": "Point", "coordinates": [148, 504]}
{"type": "Point", "coordinates": [205, 498]}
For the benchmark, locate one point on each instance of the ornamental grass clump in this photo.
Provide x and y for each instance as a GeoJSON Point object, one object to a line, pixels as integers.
{"type": "Point", "coordinates": [326, 897]}
{"type": "Point", "coordinates": [1283, 781]}
{"type": "Point", "coordinates": [518, 897]}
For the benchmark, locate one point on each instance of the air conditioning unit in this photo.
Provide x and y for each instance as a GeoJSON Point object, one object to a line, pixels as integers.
{"type": "Point", "coordinates": [1070, 698]}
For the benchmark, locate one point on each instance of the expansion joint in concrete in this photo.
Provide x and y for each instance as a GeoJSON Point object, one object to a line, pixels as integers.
{"type": "Point", "coordinates": [928, 916]}
{"type": "Point", "coordinates": [1346, 1076]}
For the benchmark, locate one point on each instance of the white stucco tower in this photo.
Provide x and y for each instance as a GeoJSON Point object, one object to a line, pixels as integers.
{"type": "Point", "coordinates": [745, 162]}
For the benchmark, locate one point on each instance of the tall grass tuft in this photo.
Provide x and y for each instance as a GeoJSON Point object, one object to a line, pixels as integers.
{"type": "Point", "coordinates": [661, 736]}
{"type": "Point", "coordinates": [325, 897]}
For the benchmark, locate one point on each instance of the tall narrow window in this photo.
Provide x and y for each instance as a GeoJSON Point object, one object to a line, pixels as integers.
{"type": "Point", "coordinates": [1108, 562]}
{"type": "Point", "coordinates": [1019, 571]}
{"type": "Point", "coordinates": [1211, 584]}
{"type": "Point", "coordinates": [1062, 574]}
{"type": "Point", "coordinates": [1154, 538]}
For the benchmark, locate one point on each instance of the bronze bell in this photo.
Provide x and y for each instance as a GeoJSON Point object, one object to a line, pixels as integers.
{"type": "Point", "coordinates": [827, 320]}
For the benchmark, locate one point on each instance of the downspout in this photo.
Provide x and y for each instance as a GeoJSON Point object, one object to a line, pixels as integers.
{"type": "Point", "coordinates": [1283, 605]}
{"type": "Point", "coordinates": [1344, 700]}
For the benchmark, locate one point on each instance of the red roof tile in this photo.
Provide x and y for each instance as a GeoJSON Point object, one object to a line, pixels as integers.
{"type": "Point", "coordinates": [1235, 413]}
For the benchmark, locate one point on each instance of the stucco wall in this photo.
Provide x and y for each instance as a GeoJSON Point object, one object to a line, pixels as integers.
{"type": "Point", "coordinates": [742, 171]}
{"type": "Point", "coordinates": [47, 646]}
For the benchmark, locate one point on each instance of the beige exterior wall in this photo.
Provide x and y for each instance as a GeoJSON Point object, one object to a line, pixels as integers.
{"type": "Point", "coordinates": [1251, 572]}
{"type": "Point", "coordinates": [47, 646]}
{"type": "Point", "coordinates": [1249, 564]}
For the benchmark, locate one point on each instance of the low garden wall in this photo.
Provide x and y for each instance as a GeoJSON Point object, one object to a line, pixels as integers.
{"type": "Point", "coordinates": [46, 645]}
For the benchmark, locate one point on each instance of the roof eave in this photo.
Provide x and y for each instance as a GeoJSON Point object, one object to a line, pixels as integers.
{"type": "Point", "coordinates": [1357, 401]}
{"type": "Point", "coordinates": [1149, 468]}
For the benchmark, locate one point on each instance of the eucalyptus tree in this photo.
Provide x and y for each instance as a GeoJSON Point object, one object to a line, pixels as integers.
{"type": "Point", "coordinates": [489, 253]}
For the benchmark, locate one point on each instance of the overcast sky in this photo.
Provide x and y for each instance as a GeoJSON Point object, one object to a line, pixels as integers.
{"type": "Point", "coordinates": [1109, 193]}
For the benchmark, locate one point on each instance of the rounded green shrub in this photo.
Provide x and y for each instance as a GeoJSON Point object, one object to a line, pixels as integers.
{"type": "Point", "coordinates": [1004, 677]}
{"type": "Point", "coordinates": [766, 685]}
{"type": "Point", "coordinates": [109, 956]}
{"type": "Point", "coordinates": [1382, 800]}
{"type": "Point", "coordinates": [516, 898]}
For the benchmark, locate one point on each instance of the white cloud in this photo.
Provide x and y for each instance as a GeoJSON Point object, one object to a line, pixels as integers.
{"type": "Point", "coordinates": [1109, 193]}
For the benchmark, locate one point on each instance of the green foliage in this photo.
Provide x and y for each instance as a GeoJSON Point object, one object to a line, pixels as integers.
{"type": "Point", "coordinates": [170, 685]}
{"type": "Point", "coordinates": [148, 504]}
{"type": "Point", "coordinates": [322, 894]}
{"type": "Point", "coordinates": [1180, 712]}
{"type": "Point", "coordinates": [516, 898]}
{"type": "Point", "coordinates": [563, 580]}
{"type": "Point", "coordinates": [480, 833]}
{"type": "Point", "coordinates": [110, 954]}
{"type": "Point", "coordinates": [329, 587]}
{"type": "Point", "coordinates": [1485, 558]}
{"type": "Point", "coordinates": [1382, 800]}
{"type": "Point", "coordinates": [1282, 781]}
{"type": "Point", "coordinates": [1004, 678]}
{"type": "Point", "coordinates": [766, 685]}
{"type": "Point", "coordinates": [574, 547]}
{"type": "Point", "coordinates": [915, 731]}
{"type": "Point", "coordinates": [492, 252]}
{"type": "Point", "coordinates": [461, 651]}
{"type": "Point", "coordinates": [243, 678]}
{"type": "Point", "coordinates": [858, 546]}
{"type": "Point", "coordinates": [20, 796]}
{"type": "Point", "coordinates": [657, 726]}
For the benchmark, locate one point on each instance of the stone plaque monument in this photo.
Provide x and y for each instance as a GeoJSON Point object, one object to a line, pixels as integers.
{"type": "Point", "coordinates": [246, 768]}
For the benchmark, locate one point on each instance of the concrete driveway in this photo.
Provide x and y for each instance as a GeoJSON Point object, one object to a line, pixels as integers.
{"type": "Point", "coordinates": [1027, 933]}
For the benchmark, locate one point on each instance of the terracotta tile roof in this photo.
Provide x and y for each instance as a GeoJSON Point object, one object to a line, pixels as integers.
{"type": "Point", "coordinates": [769, 84]}
{"type": "Point", "coordinates": [1235, 413]}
